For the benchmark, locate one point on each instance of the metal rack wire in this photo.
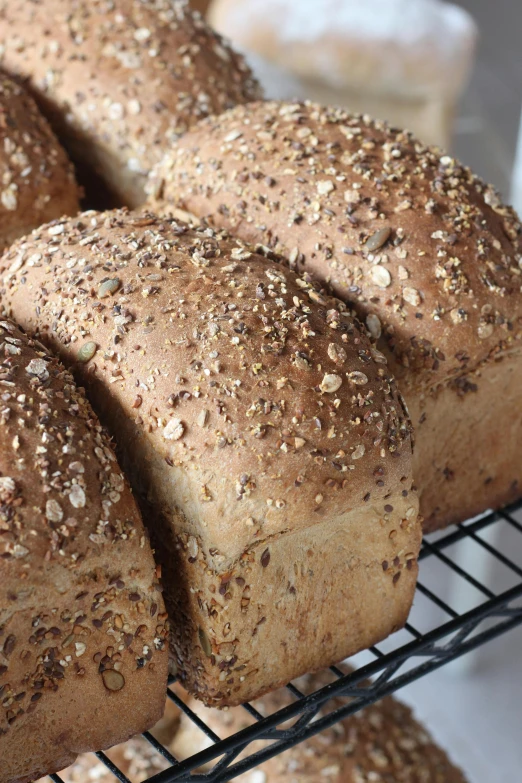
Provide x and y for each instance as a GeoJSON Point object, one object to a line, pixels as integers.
{"type": "Point", "coordinates": [470, 591]}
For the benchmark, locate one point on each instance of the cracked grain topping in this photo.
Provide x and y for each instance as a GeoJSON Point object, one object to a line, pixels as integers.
{"type": "Point", "coordinates": [125, 77]}
{"type": "Point", "coordinates": [65, 513]}
{"type": "Point", "coordinates": [253, 385]}
{"type": "Point", "coordinates": [412, 238]}
{"type": "Point", "coordinates": [36, 179]}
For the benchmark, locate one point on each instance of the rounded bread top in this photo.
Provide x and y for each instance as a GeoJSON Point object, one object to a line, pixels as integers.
{"type": "Point", "coordinates": [65, 508]}
{"type": "Point", "coordinates": [132, 75]}
{"type": "Point", "coordinates": [425, 251]}
{"type": "Point", "coordinates": [261, 396]}
{"type": "Point", "coordinates": [37, 178]}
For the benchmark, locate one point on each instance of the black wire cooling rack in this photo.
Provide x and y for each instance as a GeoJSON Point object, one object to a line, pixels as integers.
{"type": "Point", "coordinates": [469, 592]}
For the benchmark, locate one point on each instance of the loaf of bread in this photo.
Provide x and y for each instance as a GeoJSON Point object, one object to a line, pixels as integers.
{"type": "Point", "coordinates": [380, 744]}
{"type": "Point", "coordinates": [83, 631]}
{"type": "Point", "coordinates": [262, 431]}
{"type": "Point", "coordinates": [37, 179]}
{"type": "Point", "coordinates": [404, 61]}
{"type": "Point", "coordinates": [120, 80]}
{"type": "Point", "coordinates": [425, 251]}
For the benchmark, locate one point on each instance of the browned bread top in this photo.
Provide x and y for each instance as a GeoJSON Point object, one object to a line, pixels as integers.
{"type": "Point", "coordinates": [381, 744]}
{"type": "Point", "coordinates": [66, 507]}
{"type": "Point", "coordinates": [121, 80]}
{"type": "Point", "coordinates": [424, 249]}
{"type": "Point", "coordinates": [261, 397]}
{"type": "Point", "coordinates": [37, 179]}
{"type": "Point", "coordinates": [83, 629]}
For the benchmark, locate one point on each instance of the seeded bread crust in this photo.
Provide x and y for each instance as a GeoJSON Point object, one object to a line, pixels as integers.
{"type": "Point", "coordinates": [82, 623]}
{"type": "Point", "coordinates": [382, 743]}
{"type": "Point", "coordinates": [37, 179]}
{"type": "Point", "coordinates": [423, 249]}
{"type": "Point", "coordinates": [121, 81]}
{"type": "Point", "coordinates": [263, 433]}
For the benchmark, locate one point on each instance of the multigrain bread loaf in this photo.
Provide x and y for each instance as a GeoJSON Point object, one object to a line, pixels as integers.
{"type": "Point", "coordinates": [263, 432]}
{"type": "Point", "coordinates": [37, 180]}
{"type": "Point", "coordinates": [82, 622]}
{"type": "Point", "coordinates": [424, 250]}
{"type": "Point", "coordinates": [380, 744]}
{"type": "Point", "coordinates": [120, 80]}
{"type": "Point", "coordinates": [404, 61]}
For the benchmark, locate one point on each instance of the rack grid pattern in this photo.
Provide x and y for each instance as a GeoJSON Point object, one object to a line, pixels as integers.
{"type": "Point", "coordinates": [469, 592]}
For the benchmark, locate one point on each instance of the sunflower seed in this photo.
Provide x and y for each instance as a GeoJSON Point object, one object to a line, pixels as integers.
{"type": "Point", "coordinates": [377, 240]}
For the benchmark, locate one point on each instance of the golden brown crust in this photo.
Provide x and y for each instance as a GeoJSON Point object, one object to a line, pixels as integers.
{"type": "Point", "coordinates": [120, 81]}
{"type": "Point", "coordinates": [260, 429]}
{"type": "Point", "coordinates": [421, 246]}
{"type": "Point", "coordinates": [137, 758]}
{"type": "Point", "coordinates": [424, 251]}
{"type": "Point", "coordinates": [37, 179]}
{"type": "Point", "coordinates": [265, 393]}
{"type": "Point", "coordinates": [382, 743]}
{"type": "Point", "coordinates": [82, 623]}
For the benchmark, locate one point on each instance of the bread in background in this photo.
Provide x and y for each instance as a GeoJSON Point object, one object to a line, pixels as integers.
{"type": "Point", "coordinates": [120, 81]}
{"type": "Point", "coordinates": [380, 743]}
{"type": "Point", "coordinates": [404, 61]}
{"type": "Point", "coordinates": [37, 179]}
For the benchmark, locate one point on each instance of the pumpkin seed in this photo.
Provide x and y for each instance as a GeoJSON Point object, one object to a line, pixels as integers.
{"type": "Point", "coordinates": [108, 287]}
{"type": "Point", "coordinates": [205, 642]}
{"type": "Point", "coordinates": [87, 351]}
{"type": "Point", "coordinates": [377, 240]}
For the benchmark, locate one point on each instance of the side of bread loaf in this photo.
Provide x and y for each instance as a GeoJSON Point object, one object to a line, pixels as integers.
{"type": "Point", "coordinates": [262, 431]}
{"type": "Point", "coordinates": [424, 250]}
{"type": "Point", "coordinates": [37, 179]}
{"type": "Point", "coordinates": [121, 81]}
{"type": "Point", "coordinates": [380, 744]}
{"type": "Point", "coordinates": [82, 623]}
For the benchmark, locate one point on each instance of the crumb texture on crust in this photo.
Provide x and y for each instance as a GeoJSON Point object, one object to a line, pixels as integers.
{"type": "Point", "coordinates": [424, 250]}
{"type": "Point", "coordinates": [259, 397]}
{"type": "Point", "coordinates": [263, 433]}
{"type": "Point", "coordinates": [37, 179]}
{"type": "Point", "coordinates": [120, 81]}
{"type": "Point", "coordinates": [82, 622]}
{"type": "Point", "coordinates": [382, 743]}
